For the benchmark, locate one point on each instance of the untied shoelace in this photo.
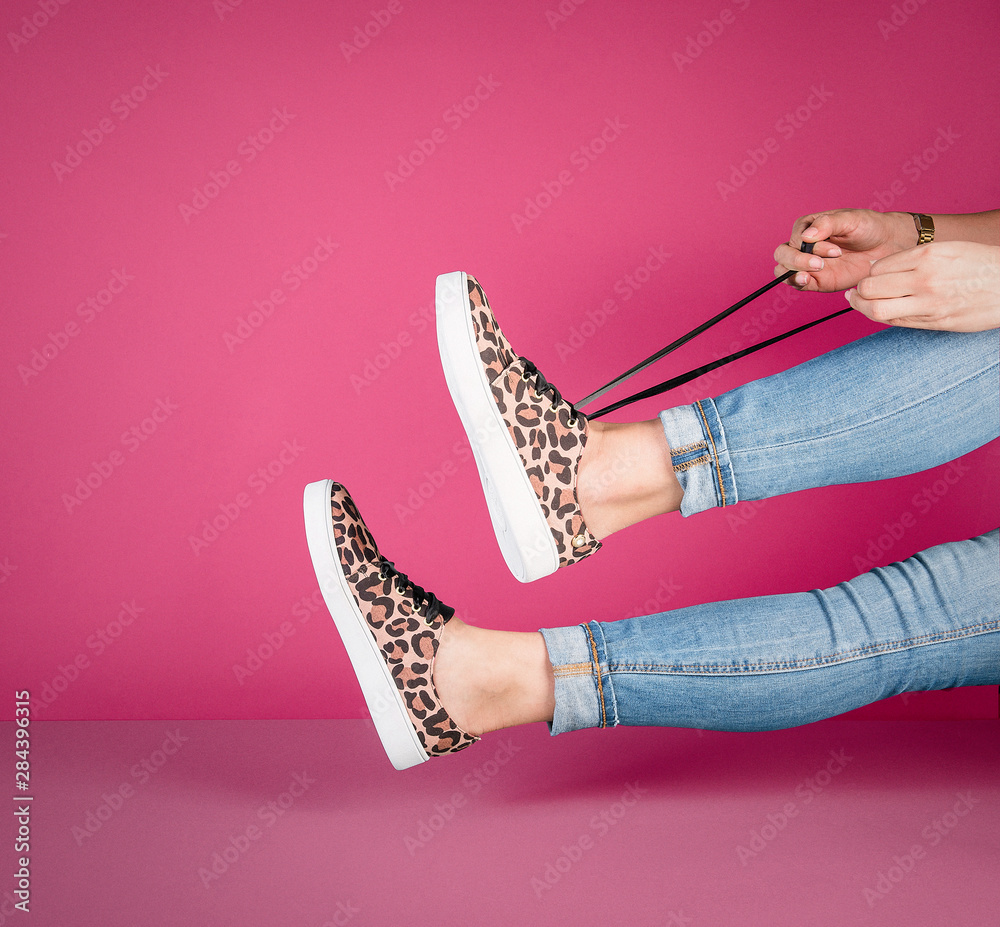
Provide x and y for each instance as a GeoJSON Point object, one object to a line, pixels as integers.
{"type": "Point", "coordinates": [674, 382]}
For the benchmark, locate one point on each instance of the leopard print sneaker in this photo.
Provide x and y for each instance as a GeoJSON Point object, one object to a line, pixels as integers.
{"type": "Point", "coordinates": [390, 627]}
{"type": "Point", "coordinates": [526, 439]}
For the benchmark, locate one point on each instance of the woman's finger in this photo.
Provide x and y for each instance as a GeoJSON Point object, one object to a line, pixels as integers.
{"type": "Point", "coordinates": [893, 311]}
{"type": "Point", "coordinates": [801, 281]}
{"type": "Point", "coordinates": [894, 263]}
{"type": "Point", "coordinates": [888, 285]}
{"type": "Point", "coordinates": [794, 259]}
{"type": "Point", "coordinates": [839, 222]}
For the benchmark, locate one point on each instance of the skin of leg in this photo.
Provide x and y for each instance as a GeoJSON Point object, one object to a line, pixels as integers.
{"type": "Point", "coordinates": [488, 679]}
{"type": "Point", "coordinates": [625, 476]}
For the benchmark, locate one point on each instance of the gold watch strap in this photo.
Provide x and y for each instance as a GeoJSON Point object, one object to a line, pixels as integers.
{"type": "Point", "coordinates": [925, 227]}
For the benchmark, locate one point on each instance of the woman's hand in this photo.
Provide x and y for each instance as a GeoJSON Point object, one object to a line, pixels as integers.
{"type": "Point", "coordinates": [948, 285]}
{"type": "Point", "coordinates": [848, 242]}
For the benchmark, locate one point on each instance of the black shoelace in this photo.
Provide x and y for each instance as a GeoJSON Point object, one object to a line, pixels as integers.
{"type": "Point", "coordinates": [420, 596]}
{"type": "Point", "coordinates": [543, 388]}
{"type": "Point", "coordinates": [674, 382]}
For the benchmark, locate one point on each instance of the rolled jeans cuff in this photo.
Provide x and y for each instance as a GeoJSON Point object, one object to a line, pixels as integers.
{"type": "Point", "coordinates": [700, 456]}
{"type": "Point", "coordinates": [583, 697]}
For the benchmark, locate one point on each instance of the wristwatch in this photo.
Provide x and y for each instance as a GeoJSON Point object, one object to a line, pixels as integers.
{"type": "Point", "coordinates": [925, 227]}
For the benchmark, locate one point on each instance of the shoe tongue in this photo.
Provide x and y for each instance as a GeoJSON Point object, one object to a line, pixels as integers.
{"type": "Point", "coordinates": [494, 350]}
{"type": "Point", "coordinates": [358, 546]}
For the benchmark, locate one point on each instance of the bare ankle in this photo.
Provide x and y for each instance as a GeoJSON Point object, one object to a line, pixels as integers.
{"type": "Point", "coordinates": [625, 476]}
{"type": "Point", "coordinates": [488, 680]}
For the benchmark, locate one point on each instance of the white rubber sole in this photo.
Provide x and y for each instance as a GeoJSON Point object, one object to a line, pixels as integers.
{"type": "Point", "coordinates": [388, 711]}
{"type": "Point", "coordinates": [522, 532]}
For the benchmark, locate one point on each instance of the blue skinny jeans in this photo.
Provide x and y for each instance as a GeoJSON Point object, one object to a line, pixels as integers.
{"type": "Point", "coordinates": [897, 402]}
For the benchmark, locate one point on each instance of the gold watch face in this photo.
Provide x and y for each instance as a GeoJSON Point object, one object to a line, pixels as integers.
{"type": "Point", "coordinates": [925, 228]}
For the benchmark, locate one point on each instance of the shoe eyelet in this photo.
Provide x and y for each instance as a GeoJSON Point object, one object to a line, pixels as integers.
{"type": "Point", "coordinates": [578, 541]}
{"type": "Point", "coordinates": [554, 407]}
{"type": "Point", "coordinates": [399, 589]}
{"type": "Point", "coordinates": [537, 395]}
{"type": "Point", "coordinates": [572, 420]}
{"type": "Point", "coordinates": [428, 621]}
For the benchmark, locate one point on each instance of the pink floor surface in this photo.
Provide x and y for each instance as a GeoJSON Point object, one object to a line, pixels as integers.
{"type": "Point", "coordinates": [305, 824]}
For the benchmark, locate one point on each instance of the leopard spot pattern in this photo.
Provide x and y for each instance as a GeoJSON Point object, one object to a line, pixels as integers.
{"type": "Point", "coordinates": [550, 447]}
{"type": "Point", "coordinates": [406, 641]}
{"type": "Point", "coordinates": [494, 349]}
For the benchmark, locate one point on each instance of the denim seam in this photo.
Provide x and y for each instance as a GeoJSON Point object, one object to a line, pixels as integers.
{"type": "Point", "coordinates": [596, 669]}
{"type": "Point", "coordinates": [848, 656]}
{"type": "Point", "coordinates": [697, 446]}
{"type": "Point", "coordinates": [687, 465]}
{"type": "Point", "coordinates": [874, 421]}
{"type": "Point", "coordinates": [611, 719]}
{"type": "Point", "coordinates": [571, 669]}
{"type": "Point", "coordinates": [715, 453]}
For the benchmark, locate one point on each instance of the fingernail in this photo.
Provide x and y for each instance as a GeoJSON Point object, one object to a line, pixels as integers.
{"type": "Point", "coordinates": [849, 294]}
{"type": "Point", "coordinates": [815, 263]}
{"type": "Point", "coordinates": [810, 232]}
{"type": "Point", "coordinates": [835, 252]}
{"type": "Point", "coordinates": [802, 279]}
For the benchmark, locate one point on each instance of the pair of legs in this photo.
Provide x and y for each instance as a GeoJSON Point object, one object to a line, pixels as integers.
{"type": "Point", "coordinates": [894, 403]}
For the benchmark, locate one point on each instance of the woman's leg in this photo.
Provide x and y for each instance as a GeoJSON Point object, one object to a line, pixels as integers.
{"type": "Point", "coordinates": [897, 402]}
{"type": "Point", "coordinates": [930, 622]}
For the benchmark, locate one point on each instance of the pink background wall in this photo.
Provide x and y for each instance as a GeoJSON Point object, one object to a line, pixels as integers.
{"type": "Point", "coordinates": [108, 607]}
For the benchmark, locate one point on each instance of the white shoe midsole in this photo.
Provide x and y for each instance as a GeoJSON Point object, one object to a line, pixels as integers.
{"type": "Point", "coordinates": [522, 531]}
{"type": "Point", "coordinates": [388, 711]}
